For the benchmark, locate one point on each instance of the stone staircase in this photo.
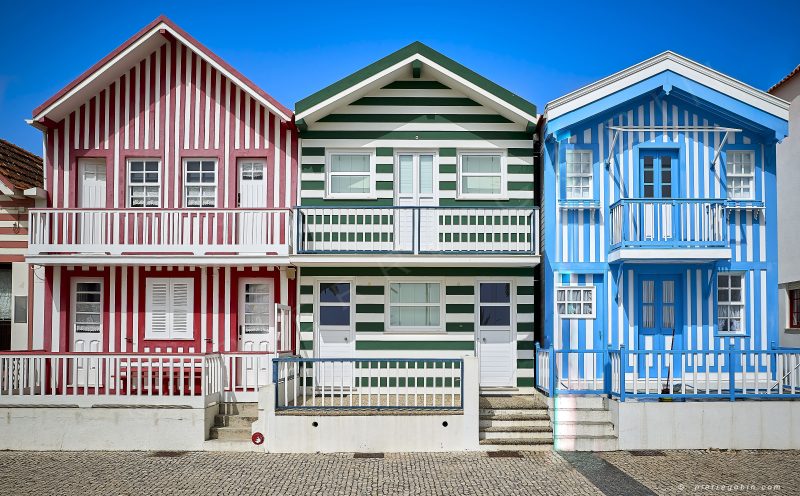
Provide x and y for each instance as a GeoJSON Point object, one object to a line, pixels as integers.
{"type": "Point", "coordinates": [514, 423]}
{"type": "Point", "coordinates": [582, 423]}
{"type": "Point", "coordinates": [234, 421]}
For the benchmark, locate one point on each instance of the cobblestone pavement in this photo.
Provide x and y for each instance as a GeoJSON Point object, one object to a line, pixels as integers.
{"type": "Point", "coordinates": [680, 473]}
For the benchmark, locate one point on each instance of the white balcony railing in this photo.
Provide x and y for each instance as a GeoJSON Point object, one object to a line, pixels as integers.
{"type": "Point", "coordinates": [428, 230]}
{"type": "Point", "coordinates": [158, 231]}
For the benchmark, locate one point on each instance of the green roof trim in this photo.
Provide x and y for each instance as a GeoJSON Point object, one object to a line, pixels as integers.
{"type": "Point", "coordinates": [402, 54]}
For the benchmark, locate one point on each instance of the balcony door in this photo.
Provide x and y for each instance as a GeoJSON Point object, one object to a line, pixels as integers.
{"type": "Point", "coordinates": [91, 195]}
{"type": "Point", "coordinates": [415, 186]}
{"type": "Point", "coordinates": [658, 322]}
{"type": "Point", "coordinates": [87, 330]}
{"type": "Point", "coordinates": [252, 195]}
{"type": "Point", "coordinates": [658, 181]}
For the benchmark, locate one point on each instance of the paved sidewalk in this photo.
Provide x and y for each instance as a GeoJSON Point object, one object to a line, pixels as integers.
{"type": "Point", "coordinates": [679, 473]}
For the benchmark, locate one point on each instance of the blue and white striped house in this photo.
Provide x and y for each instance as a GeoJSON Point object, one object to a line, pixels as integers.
{"type": "Point", "coordinates": [659, 208]}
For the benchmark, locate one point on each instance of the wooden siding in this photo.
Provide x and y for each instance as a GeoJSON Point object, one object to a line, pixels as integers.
{"type": "Point", "coordinates": [460, 306]}
{"type": "Point", "coordinates": [14, 229]}
{"type": "Point", "coordinates": [418, 115]}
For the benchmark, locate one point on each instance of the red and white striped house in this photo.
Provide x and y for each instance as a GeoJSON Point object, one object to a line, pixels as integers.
{"type": "Point", "coordinates": [170, 179]}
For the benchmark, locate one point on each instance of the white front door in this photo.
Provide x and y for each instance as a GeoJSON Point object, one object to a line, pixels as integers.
{"type": "Point", "coordinates": [87, 330]}
{"type": "Point", "coordinates": [335, 334]}
{"type": "Point", "coordinates": [252, 195]}
{"type": "Point", "coordinates": [91, 195]}
{"type": "Point", "coordinates": [256, 327]}
{"type": "Point", "coordinates": [415, 186]}
{"type": "Point", "coordinates": [495, 325]}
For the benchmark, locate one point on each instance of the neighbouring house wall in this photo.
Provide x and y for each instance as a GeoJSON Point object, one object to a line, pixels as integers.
{"type": "Point", "coordinates": [215, 299]}
{"type": "Point", "coordinates": [788, 208]}
{"type": "Point", "coordinates": [13, 245]}
{"type": "Point", "coordinates": [707, 424]}
{"type": "Point", "coordinates": [105, 429]}
{"type": "Point", "coordinates": [370, 298]}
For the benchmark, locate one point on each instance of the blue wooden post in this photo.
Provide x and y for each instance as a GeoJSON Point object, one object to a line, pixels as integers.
{"type": "Point", "coordinates": [731, 374]}
{"type": "Point", "coordinates": [552, 364]}
{"type": "Point", "coordinates": [536, 377]}
{"type": "Point", "coordinates": [275, 379]}
{"type": "Point", "coordinates": [623, 359]}
{"type": "Point", "coordinates": [606, 372]}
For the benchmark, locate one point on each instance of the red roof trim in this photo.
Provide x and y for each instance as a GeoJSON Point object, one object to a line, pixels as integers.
{"type": "Point", "coordinates": [199, 46]}
{"type": "Point", "coordinates": [785, 79]}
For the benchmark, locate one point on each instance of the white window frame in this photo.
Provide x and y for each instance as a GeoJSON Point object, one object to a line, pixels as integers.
{"type": "Point", "coordinates": [502, 195]}
{"type": "Point", "coordinates": [186, 182]}
{"type": "Point", "coordinates": [729, 174]}
{"type": "Point", "coordinates": [741, 304]}
{"type": "Point", "coordinates": [148, 332]}
{"type": "Point", "coordinates": [73, 313]}
{"type": "Point", "coordinates": [318, 304]}
{"type": "Point", "coordinates": [130, 185]}
{"type": "Point", "coordinates": [568, 174]}
{"type": "Point", "coordinates": [414, 329]}
{"type": "Point", "coordinates": [371, 195]}
{"type": "Point", "coordinates": [581, 315]}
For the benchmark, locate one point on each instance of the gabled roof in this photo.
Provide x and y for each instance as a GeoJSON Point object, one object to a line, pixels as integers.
{"type": "Point", "coordinates": [128, 54]}
{"type": "Point", "coordinates": [786, 79]}
{"type": "Point", "coordinates": [19, 169]}
{"type": "Point", "coordinates": [772, 112]}
{"type": "Point", "coordinates": [351, 87]}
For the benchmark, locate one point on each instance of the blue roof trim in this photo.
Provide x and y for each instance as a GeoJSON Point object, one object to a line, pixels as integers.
{"type": "Point", "coordinates": [668, 81]}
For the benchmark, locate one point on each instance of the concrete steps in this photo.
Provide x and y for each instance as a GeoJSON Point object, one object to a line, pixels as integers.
{"type": "Point", "coordinates": [514, 423]}
{"type": "Point", "coordinates": [233, 422]}
{"type": "Point", "coordinates": [582, 423]}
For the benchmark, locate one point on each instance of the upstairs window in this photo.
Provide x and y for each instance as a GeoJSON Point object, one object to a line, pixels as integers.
{"type": "Point", "coordinates": [350, 175]}
{"type": "Point", "coordinates": [741, 175]}
{"type": "Point", "coordinates": [144, 183]}
{"type": "Point", "coordinates": [794, 308]}
{"type": "Point", "coordinates": [200, 183]}
{"type": "Point", "coordinates": [481, 176]}
{"type": "Point", "coordinates": [576, 302]}
{"type": "Point", "coordinates": [730, 303]}
{"type": "Point", "coordinates": [169, 308]}
{"type": "Point", "coordinates": [579, 175]}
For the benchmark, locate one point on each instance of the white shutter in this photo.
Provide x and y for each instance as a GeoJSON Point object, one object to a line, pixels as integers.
{"type": "Point", "coordinates": [182, 308]}
{"type": "Point", "coordinates": [157, 322]}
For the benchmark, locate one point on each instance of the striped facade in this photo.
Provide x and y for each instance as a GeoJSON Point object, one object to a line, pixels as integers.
{"type": "Point", "coordinates": [416, 110]}
{"type": "Point", "coordinates": [580, 250]}
{"type": "Point", "coordinates": [170, 103]}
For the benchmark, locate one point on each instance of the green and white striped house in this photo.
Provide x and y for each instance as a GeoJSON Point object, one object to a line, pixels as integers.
{"type": "Point", "coordinates": [417, 230]}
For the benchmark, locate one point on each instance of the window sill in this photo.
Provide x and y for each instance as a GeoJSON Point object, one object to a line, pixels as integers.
{"type": "Point", "coordinates": [415, 330]}
{"type": "Point", "coordinates": [579, 204]}
{"type": "Point", "coordinates": [483, 197]}
{"type": "Point", "coordinates": [730, 335]}
{"type": "Point", "coordinates": [792, 330]}
{"type": "Point", "coordinates": [190, 340]}
{"type": "Point", "coordinates": [350, 197]}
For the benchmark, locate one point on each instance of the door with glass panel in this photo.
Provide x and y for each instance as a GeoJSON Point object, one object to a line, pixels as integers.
{"type": "Point", "coordinates": [87, 330]}
{"type": "Point", "coordinates": [92, 197]}
{"type": "Point", "coordinates": [256, 328]}
{"type": "Point", "coordinates": [253, 223]}
{"type": "Point", "coordinates": [495, 336]}
{"type": "Point", "coordinates": [658, 324]}
{"type": "Point", "coordinates": [659, 174]}
{"type": "Point", "coordinates": [334, 323]}
{"type": "Point", "coordinates": [415, 186]}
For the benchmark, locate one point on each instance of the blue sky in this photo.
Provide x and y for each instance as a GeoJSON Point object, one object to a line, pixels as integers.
{"type": "Point", "coordinates": [540, 50]}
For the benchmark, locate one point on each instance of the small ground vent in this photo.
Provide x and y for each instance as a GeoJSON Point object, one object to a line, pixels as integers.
{"type": "Point", "coordinates": [647, 453]}
{"type": "Point", "coordinates": [367, 455]}
{"type": "Point", "coordinates": [166, 454]}
{"type": "Point", "coordinates": [504, 454]}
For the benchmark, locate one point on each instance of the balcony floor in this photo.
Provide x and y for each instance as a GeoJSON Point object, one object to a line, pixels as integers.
{"type": "Point", "coordinates": [411, 260]}
{"type": "Point", "coordinates": [677, 255]}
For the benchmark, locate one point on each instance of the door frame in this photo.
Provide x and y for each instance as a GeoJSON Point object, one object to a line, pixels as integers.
{"type": "Point", "coordinates": [73, 303]}
{"type": "Point", "coordinates": [239, 163]}
{"type": "Point", "coordinates": [415, 170]}
{"type": "Point", "coordinates": [82, 161]}
{"type": "Point", "coordinates": [678, 149]}
{"type": "Point", "coordinates": [239, 308]}
{"type": "Point", "coordinates": [680, 307]}
{"type": "Point", "coordinates": [315, 314]}
{"type": "Point", "coordinates": [513, 323]}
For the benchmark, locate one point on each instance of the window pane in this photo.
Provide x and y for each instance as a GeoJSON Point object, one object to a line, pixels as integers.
{"type": "Point", "coordinates": [406, 164]}
{"type": "Point", "coordinates": [495, 292]}
{"type": "Point", "coordinates": [481, 185]}
{"type": "Point", "coordinates": [414, 292]}
{"type": "Point", "coordinates": [330, 292]}
{"type": "Point", "coordinates": [480, 164]}
{"type": "Point", "coordinates": [350, 184]}
{"type": "Point", "coordinates": [334, 315]}
{"type": "Point", "coordinates": [426, 173]}
{"type": "Point", "coordinates": [350, 163]}
{"type": "Point", "coordinates": [495, 315]}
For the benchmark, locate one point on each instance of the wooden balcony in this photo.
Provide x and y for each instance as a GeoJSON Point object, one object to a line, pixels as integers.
{"type": "Point", "coordinates": [418, 230]}
{"type": "Point", "coordinates": [179, 232]}
{"type": "Point", "coordinates": [670, 228]}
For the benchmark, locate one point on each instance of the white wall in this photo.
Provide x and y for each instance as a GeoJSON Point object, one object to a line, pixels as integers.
{"type": "Point", "coordinates": [19, 287]}
{"type": "Point", "coordinates": [123, 429]}
{"type": "Point", "coordinates": [353, 432]}
{"type": "Point", "coordinates": [707, 424]}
